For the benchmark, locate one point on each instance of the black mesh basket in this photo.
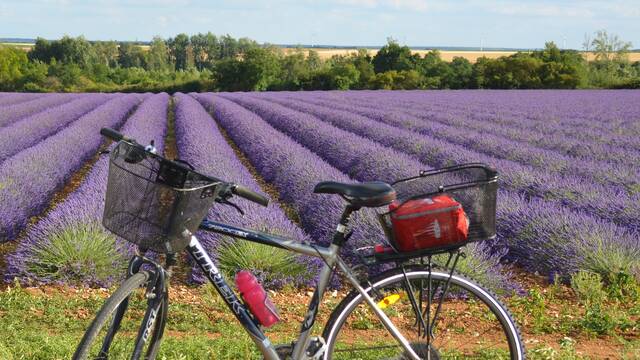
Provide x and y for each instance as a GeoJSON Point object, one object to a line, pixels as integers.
{"type": "Point", "coordinates": [474, 186]}
{"type": "Point", "coordinates": [153, 202]}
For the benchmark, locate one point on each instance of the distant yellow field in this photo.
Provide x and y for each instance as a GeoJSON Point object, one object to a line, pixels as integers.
{"type": "Point", "coordinates": [472, 56]}
{"type": "Point", "coordinates": [23, 46]}
{"type": "Point", "coordinates": [445, 55]}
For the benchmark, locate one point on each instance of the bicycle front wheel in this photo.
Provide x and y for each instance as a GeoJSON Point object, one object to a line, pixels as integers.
{"type": "Point", "coordinates": [127, 326]}
{"type": "Point", "coordinates": [470, 323]}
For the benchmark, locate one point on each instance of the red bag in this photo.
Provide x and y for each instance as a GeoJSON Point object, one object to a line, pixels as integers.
{"type": "Point", "coordinates": [427, 223]}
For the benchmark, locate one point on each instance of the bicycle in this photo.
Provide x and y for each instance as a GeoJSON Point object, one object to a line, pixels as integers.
{"type": "Point", "coordinates": [157, 204]}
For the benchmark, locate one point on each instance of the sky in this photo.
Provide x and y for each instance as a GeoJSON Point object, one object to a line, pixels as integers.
{"type": "Point", "coordinates": [494, 23]}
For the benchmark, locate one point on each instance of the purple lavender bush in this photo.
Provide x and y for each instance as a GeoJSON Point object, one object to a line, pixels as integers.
{"type": "Point", "coordinates": [69, 244]}
{"type": "Point", "coordinates": [572, 191]}
{"type": "Point", "coordinates": [15, 112]}
{"type": "Point", "coordinates": [568, 164]}
{"type": "Point", "coordinates": [592, 117]}
{"type": "Point", "coordinates": [295, 170]}
{"type": "Point", "coordinates": [29, 179]}
{"type": "Point", "coordinates": [201, 144]}
{"type": "Point", "coordinates": [15, 98]}
{"type": "Point", "coordinates": [31, 130]}
{"type": "Point", "coordinates": [487, 142]}
{"type": "Point", "coordinates": [323, 140]}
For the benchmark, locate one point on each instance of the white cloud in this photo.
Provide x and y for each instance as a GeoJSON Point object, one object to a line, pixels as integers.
{"type": "Point", "coordinates": [625, 9]}
{"type": "Point", "coordinates": [413, 5]}
{"type": "Point", "coordinates": [572, 9]}
{"type": "Point", "coordinates": [58, 2]}
{"type": "Point", "coordinates": [416, 5]}
{"type": "Point", "coordinates": [540, 9]}
{"type": "Point", "coordinates": [162, 21]}
{"type": "Point", "coordinates": [160, 2]}
{"type": "Point", "coordinates": [360, 3]}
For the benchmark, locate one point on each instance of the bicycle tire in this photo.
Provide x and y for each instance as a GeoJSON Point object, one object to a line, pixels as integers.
{"type": "Point", "coordinates": [127, 290]}
{"type": "Point", "coordinates": [394, 279]}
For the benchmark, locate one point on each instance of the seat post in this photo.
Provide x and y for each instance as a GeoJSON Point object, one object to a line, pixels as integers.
{"type": "Point", "coordinates": [340, 237]}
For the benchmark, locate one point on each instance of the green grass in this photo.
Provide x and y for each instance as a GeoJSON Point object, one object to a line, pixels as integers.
{"type": "Point", "coordinates": [50, 327]}
{"type": "Point", "coordinates": [47, 323]}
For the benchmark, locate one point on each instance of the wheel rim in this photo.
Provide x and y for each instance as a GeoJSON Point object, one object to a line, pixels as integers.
{"type": "Point", "coordinates": [466, 326]}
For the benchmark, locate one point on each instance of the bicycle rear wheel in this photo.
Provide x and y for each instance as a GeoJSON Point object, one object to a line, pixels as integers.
{"type": "Point", "coordinates": [127, 326]}
{"type": "Point", "coordinates": [471, 322]}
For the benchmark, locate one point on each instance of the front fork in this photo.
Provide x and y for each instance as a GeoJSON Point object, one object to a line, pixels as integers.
{"type": "Point", "coordinates": [157, 299]}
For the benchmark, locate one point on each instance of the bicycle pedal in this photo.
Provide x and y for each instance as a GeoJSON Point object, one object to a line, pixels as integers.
{"type": "Point", "coordinates": [316, 348]}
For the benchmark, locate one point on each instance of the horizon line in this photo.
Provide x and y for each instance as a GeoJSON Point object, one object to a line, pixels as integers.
{"type": "Point", "coordinates": [31, 41]}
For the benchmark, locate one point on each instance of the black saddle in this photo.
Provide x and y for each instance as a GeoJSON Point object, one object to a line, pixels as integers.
{"type": "Point", "coordinates": [368, 194]}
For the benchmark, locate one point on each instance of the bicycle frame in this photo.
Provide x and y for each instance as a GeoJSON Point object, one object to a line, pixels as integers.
{"type": "Point", "coordinates": [331, 259]}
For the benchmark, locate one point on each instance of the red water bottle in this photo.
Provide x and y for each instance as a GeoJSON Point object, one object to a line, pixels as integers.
{"type": "Point", "coordinates": [256, 299]}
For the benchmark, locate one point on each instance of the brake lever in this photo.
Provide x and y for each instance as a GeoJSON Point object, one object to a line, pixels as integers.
{"type": "Point", "coordinates": [227, 202]}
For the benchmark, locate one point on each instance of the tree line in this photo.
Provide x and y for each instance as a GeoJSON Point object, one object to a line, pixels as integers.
{"type": "Point", "coordinates": [206, 62]}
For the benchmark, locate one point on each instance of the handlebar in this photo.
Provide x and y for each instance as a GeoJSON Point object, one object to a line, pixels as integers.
{"type": "Point", "coordinates": [235, 189]}
{"type": "Point", "coordinates": [112, 134]}
{"type": "Point", "coordinates": [250, 195]}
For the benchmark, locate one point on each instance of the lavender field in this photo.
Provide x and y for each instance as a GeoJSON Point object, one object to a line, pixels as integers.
{"type": "Point", "coordinates": [569, 164]}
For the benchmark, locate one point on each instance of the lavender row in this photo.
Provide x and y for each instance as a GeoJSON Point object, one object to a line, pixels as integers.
{"type": "Point", "coordinates": [569, 123]}
{"type": "Point", "coordinates": [529, 142]}
{"type": "Point", "coordinates": [354, 155]}
{"type": "Point", "coordinates": [616, 176]}
{"type": "Point", "coordinates": [549, 138]}
{"type": "Point", "coordinates": [625, 176]}
{"type": "Point", "coordinates": [557, 147]}
{"type": "Point", "coordinates": [327, 141]}
{"type": "Point", "coordinates": [29, 179]}
{"type": "Point", "coordinates": [13, 113]}
{"type": "Point", "coordinates": [81, 213]}
{"type": "Point", "coordinates": [586, 196]}
{"type": "Point", "coordinates": [603, 111]}
{"type": "Point", "coordinates": [295, 170]}
{"type": "Point", "coordinates": [553, 241]}
{"type": "Point", "coordinates": [201, 144]}
{"type": "Point", "coordinates": [30, 130]}
{"type": "Point", "coordinates": [15, 98]}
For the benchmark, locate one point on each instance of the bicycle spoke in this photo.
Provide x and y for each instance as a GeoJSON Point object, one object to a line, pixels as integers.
{"type": "Point", "coordinates": [464, 326]}
{"type": "Point", "coordinates": [416, 310]}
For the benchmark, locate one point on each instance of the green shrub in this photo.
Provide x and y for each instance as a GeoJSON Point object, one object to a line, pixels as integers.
{"type": "Point", "coordinates": [534, 305]}
{"type": "Point", "coordinates": [617, 266]}
{"type": "Point", "coordinates": [273, 266]}
{"type": "Point", "coordinates": [80, 253]}
{"type": "Point", "coordinates": [588, 287]}
{"type": "Point", "coordinates": [601, 318]}
{"type": "Point", "coordinates": [623, 287]}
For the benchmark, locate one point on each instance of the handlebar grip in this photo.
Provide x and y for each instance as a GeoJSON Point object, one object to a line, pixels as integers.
{"type": "Point", "coordinates": [111, 134]}
{"type": "Point", "coordinates": [250, 195]}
